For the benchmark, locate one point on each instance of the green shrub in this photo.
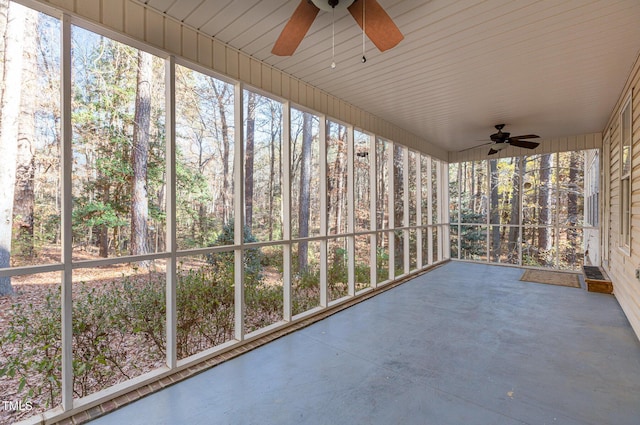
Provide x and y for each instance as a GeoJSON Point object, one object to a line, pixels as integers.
{"type": "Point", "coordinates": [252, 260]}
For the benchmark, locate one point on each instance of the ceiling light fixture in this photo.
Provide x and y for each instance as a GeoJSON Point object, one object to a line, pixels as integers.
{"type": "Point", "coordinates": [329, 5]}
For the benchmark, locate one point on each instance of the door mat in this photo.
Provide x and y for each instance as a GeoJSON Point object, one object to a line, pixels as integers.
{"type": "Point", "coordinates": [551, 278]}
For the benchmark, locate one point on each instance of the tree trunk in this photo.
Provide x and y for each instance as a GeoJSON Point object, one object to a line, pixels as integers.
{"type": "Point", "coordinates": [495, 211]}
{"type": "Point", "coordinates": [398, 190]}
{"type": "Point", "coordinates": [14, 33]}
{"type": "Point", "coordinates": [572, 207]}
{"type": "Point", "coordinates": [249, 155]}
{"type": "Point", "coordinates": [544, 201]}
{"type": "Point", "coordinates": [4, 14]}
{"type": "Point", "coordinates": [140, 156]}
{"type": "Point", "coordinates": [224, 189]}
{"type": "Point", "coordinates": [272, 172]}
{"type": "Point", "coordinates": [24, 196]}
{"type": "Point", "coordinates": [304, 204]}
{"type": "Point", "coordinates": [103, 233]}
{"type": "Point", "coordinates": [514, 217]}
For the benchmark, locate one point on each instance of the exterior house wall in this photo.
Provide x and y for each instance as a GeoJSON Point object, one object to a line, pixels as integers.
{"type": "Point", "coordinates": [619, 263]}
{"type": "Point", "coordinates": [144, 24]}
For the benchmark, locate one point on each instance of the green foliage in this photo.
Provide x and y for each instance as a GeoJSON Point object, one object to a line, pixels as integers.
{"type": "Point", "coordinates": [31, 346]}
{"type": "Point", "coordinates": [252, 259]}
{"type": "Point", "coordinates": [120, 326]}
{"type": "Point", "coordinates": [382, 264]}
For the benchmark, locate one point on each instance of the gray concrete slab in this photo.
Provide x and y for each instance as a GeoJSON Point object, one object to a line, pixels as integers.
{"type": "Point", "coordinates": [463, 344]}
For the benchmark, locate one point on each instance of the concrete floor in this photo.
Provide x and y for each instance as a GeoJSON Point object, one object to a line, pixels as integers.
{"type": "Point", "coordinates": [463, 344]}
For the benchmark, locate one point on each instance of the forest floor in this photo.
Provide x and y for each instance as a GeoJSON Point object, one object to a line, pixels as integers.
{"type": "Point", "coordinates": [31, 291]}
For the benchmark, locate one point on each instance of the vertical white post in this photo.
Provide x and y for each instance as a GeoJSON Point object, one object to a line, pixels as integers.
{"type": "Point", "coordinates": [419, 201]}
{"type": "Point", "coordinates": [444, 238]}
{"type": "Point", "coordinates": [430, 209]}
{"type": "Point", "coordinates": [322, 136]}
{"type": "Point", "coordinates": [391, 206]}
{"type": "Point", "coordinates": [520, 206]}
{"type": "Point", "coordinates": [170, 108]}
{"type": "Point", "coordinates": [488, 190]}
{"type": "Point", "coordinates": [351, 250]}
{"type": "Point", "coordinates": [373, 196]}
{"type": "Point", "coordinates": [238, 206]}
{"type": "Point", "coordinates": [405, 200]}
{"type": "Point", "coordinates": [67, 235]}
{"type": "Point", "coordinates": [286, 208]}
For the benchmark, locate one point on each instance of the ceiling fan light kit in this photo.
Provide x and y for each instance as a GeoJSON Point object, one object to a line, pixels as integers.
{"type": "Point", "coordinates": [328, 5]}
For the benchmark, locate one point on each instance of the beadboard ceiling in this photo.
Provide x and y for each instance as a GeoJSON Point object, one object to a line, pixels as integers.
{"type": "Point", "coordinates": [550, 67]}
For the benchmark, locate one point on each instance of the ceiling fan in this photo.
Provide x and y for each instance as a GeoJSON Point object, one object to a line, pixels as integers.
{"type": "Point", "coordinates": [501, 139]}
{"type": "Point", "coordinates": [377, 24]}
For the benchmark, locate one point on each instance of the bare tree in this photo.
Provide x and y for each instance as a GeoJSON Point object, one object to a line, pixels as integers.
{"type": "Point", "coordinates": [572, 206]}
{"type": "Point", "coordinates": [13, 32]}
{"type": "Point", "coordinates": [514, 217]}
{"type": "Point", "coordinates": [495, 210]}
{"type": "Point", "coordinates": [249, 155]}
{"type": "Point", "coordinates": [544, 202]}
{"type": "Point", "coordinates": [305, 192]}
{"type": "Point", "coordinates": [140, 156]}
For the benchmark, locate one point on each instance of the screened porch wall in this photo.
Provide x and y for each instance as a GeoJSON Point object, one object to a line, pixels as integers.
{"type": "Point", "coordinates": [144, 24]}
{"type": "Point", "coordinates": [524, 210]}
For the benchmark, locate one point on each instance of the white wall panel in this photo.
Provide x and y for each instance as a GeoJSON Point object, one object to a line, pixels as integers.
{"type": "Point", "coordinates": [189, 44]}
{"type": "Point", "coordinates": [244, 68]}
{"type": "Point", "coordinates": [285, 88]}
{"type": "Point", "coordinates": [294, 90]}
{"type": "Point", "coordinates": [232, 57]}
{"type": "Point", "coordinates": [134, 20]}
{"type": "Point", "coordinates": [113, 14]}
{"type": "Point", "coordinates": [205, 51]}
{"type": "Point", "coordinates": [89, 9]}
{"type": "Point", "coordinates": [266, 77]}
{"type": "Point", "coordinates": [64, 4]}
{"type": "Point", "coordinates": [256, 72]}
{"type": "Point", "coordinates": [276, 82]}
{"type": "Point", "coordinates": [154, 29]}
{"type": "Point", "coordinates": [219, 56]}
{"type": "Point", "coordinates": [172, 36]}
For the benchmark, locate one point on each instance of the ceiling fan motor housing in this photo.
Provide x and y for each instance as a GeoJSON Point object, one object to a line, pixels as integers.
{"type": "Point", "coordinates": [329, 5]}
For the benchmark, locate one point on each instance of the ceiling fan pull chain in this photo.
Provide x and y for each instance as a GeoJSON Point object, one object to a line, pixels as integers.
{"type": "Point", "coordinates": [333, 38]}
{"type": "Point", "coordinates": [364, 58]}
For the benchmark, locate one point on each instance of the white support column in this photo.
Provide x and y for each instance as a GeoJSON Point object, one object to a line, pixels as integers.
{"type": "Point", "coordinates": [405, 201]}
{"type": "Point", "coordinates": [520, 206]}
{"type": "Point", "coordinates": [286, 208]}
{"type": "Point", "coordinates": [419, 201]}
{"type": "Point", "coordinates": [172, 246]}
{"type": "Point", "coordinates": [487, 191]}
{"type": "Point", "coordinates": [238, 206]}
{"type": "Point", "coordinates": [67, 234]}
{"type": "Point", "coordinates": [444, 238]}
{"type": "Point", "coordinates": [373, 196]}
{"type": "Point", "coordinates": [351, 250]}
{"type": "Point", "coordinates": [322, 136]}
{"type": "Point", "coordinates": [391, 206]}
{"type": "Point", "coordinates": [430, 210]}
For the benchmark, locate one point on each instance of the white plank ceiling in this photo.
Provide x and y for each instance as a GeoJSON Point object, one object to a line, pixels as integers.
{"type": "Point", "coordinates": [549, 67]}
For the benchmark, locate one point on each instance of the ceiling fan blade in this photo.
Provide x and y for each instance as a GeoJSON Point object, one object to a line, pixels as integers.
{"type": "Point", "coordinates": [526, 136]}
{"type": "Point", "coordinates": [379, 26]}
{"type": "Point", "coordinates": [476, 146]}
{"type": "Point", "coordinates": [295, 30]}
{"type": "Point", "coordinates": [492, 151]}
{"type": "Point", "coordinates": [524, 144]}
